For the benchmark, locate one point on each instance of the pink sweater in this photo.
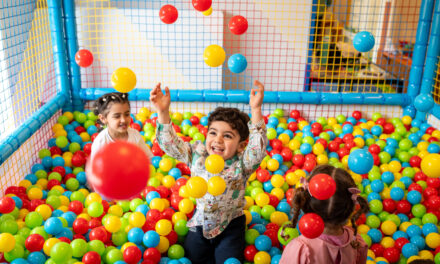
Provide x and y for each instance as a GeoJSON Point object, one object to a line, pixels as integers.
{"type": "Point", "coordinates": [325, 249]}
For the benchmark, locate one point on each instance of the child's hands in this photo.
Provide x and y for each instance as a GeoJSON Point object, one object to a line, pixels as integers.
{"type": "Point", "coordinates": [159, 100]}
{"type": "Point", "coordinates": [161, 103]}
{"type": "Point", "coordinates": [257, 96]}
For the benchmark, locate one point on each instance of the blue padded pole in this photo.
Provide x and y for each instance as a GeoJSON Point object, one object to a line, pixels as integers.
{"type": "Point", "coordinates": [72, 48]}
{"type": "Point", "coordinates": [59, 51]}
{"type": "Point", "coordinates": [30, 126]}
{"type": "Point", "coordinates": [424, 101]}
{"type": "Point", "coordinates": [311, 45]}
{"type": "Point", "coordinates": [419, 54]}
{"type": "Point", "coordinates": [242, 96]}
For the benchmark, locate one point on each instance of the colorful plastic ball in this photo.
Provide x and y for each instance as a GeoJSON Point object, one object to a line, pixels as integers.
{"type": "Point", "coordinates": [311, 225]}
{"type": "Point", "coordinates": [237, 63]}
{"type": "Point", "coordinates": [232, 261]}
{"type": "Point", "coordinates": [7, 205]}
{"type": "Point", "coordinates": [433, 240]}
{"type": "Point", "coordinates": [431, 165]}
{"type": "Point", "coordinates": [397, 193]}
{"type": "Point", "coordinates": [322, 186]}
{"type": "Point", "coordinates": [201, 5]}
{"type": "Point", "coordinates": [91, 257]}
{"type": "Point", "coordinates": [61, 252]}
{"type": "Point", "coordinates": [363, 41]}
{"type": "Point", "coordinates": [360, 161]}
{"type": "Point", "coordinates": [197, 186]}
{"type": "Point", "coordinates": [263, 243]}
{"type": "Point", "coordinates": [84, 58]}
{"type": "Point", "coordinates": [262, 257]}
{"type": "Point", "coordinates": [176, 251]}
{"type": "Point", "coordinates": [132, 255]}
{"type": "Point", "coordinates": [214, 163]}
{"type": "Point", "coordinates": [238, 25]}
{"type": "Point", "coordinates": [168, 14]}
{"type": "Point", "coordinates": [114, 172]}
{"type": "Point", "coordinates": [214, 55]}
{"type": "Point", "coordinates": [151, 239]}
{"type": "Point", "coordinates": [409, 250]}
{"type": "Point", "coordinates": [53, 225]}
{"type": "Point", "coordinates": [414, 197]}
{"type": "Point", "coordinates": [216, 185]}
{"type": "Point", "coordinates": [123, 80]}
{"type": "Point", "coordinates": [388, 227]}
{"type": "Point", "coordinates": [7, 242]}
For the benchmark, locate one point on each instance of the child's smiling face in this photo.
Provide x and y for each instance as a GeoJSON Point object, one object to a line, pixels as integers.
{"type": "Point", "coordinates": [223, 140]}
{"type": "Point", "coordinates": [117, 119]}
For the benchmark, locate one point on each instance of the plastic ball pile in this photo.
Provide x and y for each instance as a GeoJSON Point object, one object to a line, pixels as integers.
{"type": "Point", "coordinates": [51, 216]}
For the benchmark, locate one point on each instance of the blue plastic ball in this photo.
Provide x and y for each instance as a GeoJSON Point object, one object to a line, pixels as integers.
{"type": "Point", "coordinates": [387, 177]}
{"type": "Point", "coordinates": [399, 234]}
{"type": "Point", "coordinates": [429, 228]}
{"type": "Point", "coordinates": [397, 193]}
{"type": "Point", "coordinates": [237, 63]}
{"type": "Point", "coordinates": [232, 261]}
{"type": "Point", "coordinates": [36, 258]}
{"type": "Point", "coordinates": [410, 249]}
{"type": "Point", "coordinates": [423, 102]}
{"type": "Point", "coordinates": [151, 239]}
{"type": "Point", "coordinates": [375, 235]}
{"type": "Point", "coordinates": [377, 186]}
{"type": "Point", "coordinates": [135, 235]}
{"type": "Point", "coordinates": [360, 161]}
{"type": "Point", "coordinates": [419, 241]}
{"type": "Point", "coordinates": [433, 148]}
{"type": "Point", "coordinates": [53, 225]}
{"type": "Point", "coordinates": [414, 197]}
{"type": "Point", "coordinates": [363, 41]}
{"type": "Point", "coordinates": [414, 230]}
{"type": "Point", "coordinates": [263, 243]}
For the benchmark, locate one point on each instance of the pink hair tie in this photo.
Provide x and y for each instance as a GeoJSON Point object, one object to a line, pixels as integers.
{"type": "Point", "coordinates": [305, 184]}
{"type": "Point", "coordinates": [354, 194]}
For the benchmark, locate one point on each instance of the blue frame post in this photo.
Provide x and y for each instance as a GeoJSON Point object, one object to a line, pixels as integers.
{"type": "Point", "coordinates": [419, 54]}
{"type": "Point", "coordinates": [424, 102]}
{"type": "Point", "coordinates": [59, 51]}
{"type": "Point", "coordinates": [72, 48]}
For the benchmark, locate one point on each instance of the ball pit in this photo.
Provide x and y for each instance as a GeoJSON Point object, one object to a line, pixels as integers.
{"type": "Point", "coordinates": [51, 216]}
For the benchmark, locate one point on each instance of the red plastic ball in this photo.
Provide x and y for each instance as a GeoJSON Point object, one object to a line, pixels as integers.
{"type": "Point", "coordinates": [84, 58]}
{"type": "Point", "coordinates": [311, 225]}
{"type": "Point", "coordinates": [136, 126]}
{"type": "Point", "coordinates": [132, 254]}
{"type": "Point", "coordinates": [400, 242]}
{"type": "Point", "coordinates": [293, 126]}
{"type": "Point", "coordinates": [298, 160]}
{"type": "Point", "coordinates": [286, 153]}
{"type": "Point", "coordinates": [309, 165]}
{"type": "Point", "coordinates": [201, 5]}
{"type": "Point", "coordinates": [433, 182]}
{"type": "Point", "coordinates": [91, 257]}
{"type": "Point", "coordinates": [80, 226]}
{"type": "Point", "coordinates": [7, 205]}
{"type": "Point", "coordinates": [295, 114]}
{"type": "Point", "coordinates": [377, 249]}
{"type": "Point", "coordinates": [34, 242]}
{"type": "Point", "coordinates": [374, 149]}
{"type": "Point", "coordinates": [403, 207]}
{"type": "Point", "coordinates": [391, 254]}
{"type": "Point", "coordinates": [120, 170]}
{"type": "Point", "coordinates": [389, 205]}
{"type": "Point", "coordinates": [152, 254]}
{"type": "Point", "coordinates": [322, 186]}
{"type": "Point", "coordinates": [357, 115]}
{"type": "Point", "coordinates": [238, 25]}
{"type": "Point", "coordinates": [98, 233]}
{"type": "Point", "coordinates": [263, 175]}
{"type": "Point", "coordinates": [250, 252]}
{"type": "Point", "coordinates": [168, 14]}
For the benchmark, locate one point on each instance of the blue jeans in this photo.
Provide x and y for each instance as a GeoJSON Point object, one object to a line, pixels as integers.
{"type": "Point", "coordinates": [229, 244]}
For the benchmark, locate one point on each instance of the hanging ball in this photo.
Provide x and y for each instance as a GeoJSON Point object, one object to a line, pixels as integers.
{"type": "Point", "coordinates": [431, 165]}
{"type": "Point", "coordinates": [360, 161]}
{"type": "Point", "coordinates": [237, 63]}
{"type": "Point", "coordinates": [84, 58]}
{"type": "Point", "coordinates": [238, 25]}
{"type": "Point", "coordinates": [311, 225]}
{"type": "Point", "coordinates": [322, 186]}
{"type": "Point", "coordinates": [123, 80]}
{"type": "Point", "coordinates": [168, 14]}
{"type": "Point", "coordinates": [214, 55]}
{"type": "Point", "coordinates": [423, 102]}
{"type": "Point", "coordinates": [214, 163]}
{"type": "Point", "coordinates": [363, 41]}
{"type": "Point", "coordinates": [201, 5]}
{"type": "Point", "coordinates": [120, 170]}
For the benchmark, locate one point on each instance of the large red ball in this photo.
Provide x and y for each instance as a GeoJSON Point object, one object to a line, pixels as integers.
{"type": "Point", "coordinates": [322, 186]}
{"type": "Point", "coordinates": [201, 5]}
{"type": "Point", "coordinates": [84, 58]}
{"type": "Point", "coordinates": [34, 242]}
{"type": "Point", "coordinates": [238, 25]}
{"type": "Point", "coordinates": [311, 225]}
{"type": "Point", "coordinates": [91, 257]}
{"type": "Point", "coordinates": [132, 255]}
{"type": "Point", "coordinates": [120, 170]}
{"type": "Point", "coordinates": [7, 205]}
{"type": "Point", "coordinates": [168, 14]}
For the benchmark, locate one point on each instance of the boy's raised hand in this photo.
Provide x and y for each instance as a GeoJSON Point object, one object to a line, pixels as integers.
{"type": "Point", "coordinates": [257, 96]}
{"type": "Point", "coordinates": [159, 100]}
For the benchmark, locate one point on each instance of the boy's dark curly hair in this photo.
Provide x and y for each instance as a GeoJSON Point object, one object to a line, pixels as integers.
{"type": "Point", "coordinates": [234, 117]}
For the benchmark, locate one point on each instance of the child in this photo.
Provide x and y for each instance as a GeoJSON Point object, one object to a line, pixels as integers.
{"type": "Point", "coordinates": [218, 225]}
{"type": "Point", "coordinates": [113, 110]}
{"type": "Point", "coordinates": [338, 243]}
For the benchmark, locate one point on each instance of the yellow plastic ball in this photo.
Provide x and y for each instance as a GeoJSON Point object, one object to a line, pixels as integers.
{"type": "Point", "coordinates": [381, 259]}
{"type": "Point", "coordinates": [183, 192]}
{"type": "Point", "coordinates": [168, 181]}
{"type": "Point", "coordinates": [7, 242]}
{"type": "Point", "coordinates": [137, 219]}
{"type": "Point", "coordinates": [116, 210]}
{"type": "Point", "coordinates": [433, 240]}
{"type": "Point", "coordinates": [214, 163]}
{"type": "Point", "coordinates": [436, 134]}
{"type": "Point", "coordinates": [273, 164]}
{"type": "Point", "coordinates": [85, 136]}
{"type": "Point", "coordinates": [123, 80]}
{"type": "Point", "coordinates": [388, 227]}
{"type": "Point", "coordinates": [186, 206]}
{"type": "Point", "coordinates": [302, 124]}
{"type": "Point", "coordinates": [431, 165]}
{"type": "Point", "coordinates": [423, 145]}
{"type": "Point", "coordinates": [394, 166]}
{"type": "Point", "coordinates": [262, 257]}
{"type": "Point", "coordinates": [216, 185]}
{"type": "Point", "coordinates": [426, 254]}
{"type": "Point", "coordinates": [359, 142]}
{"type": "Point", "coordinates": [92, 197]}
{"type": "Point", "coordinates": [423, 153]}
{"type": "Point", "coordinates": [197, 187]}
{"type": "Point", "coordinates": [85, 216]}
{"type": "Point", "coordinates": [178, 216]}
{"type": "Point", "coordinates": [25, 183]}
{"type": "Point", "coordinates": [165, 164]}
{"type": "Point", "coordinates": [249, 202]}
{"type": "Point", "coordinates": [278, 218]}
{"type": "Point", "coordinates": [126, 245]}
{"type": "Point", "coordinates": [363, 229]}
{"type": "Point", "coordinates": [164, 244]}
{"type": "Point", "coordinates": [387, 242]}
{"type": "Point", "coordinates": [294, 144]}
{"type": "Point", "coordinates": [112, 223]}
{"type": "Point", "coordinates": [35, 193]}
{"type": "Point", "coordinates": [292, 178]}
{"type": "Point", "coordinates": [322, 159]}
{"type": "Point", "coordinates": [253, 176]}
{"type": "Point", "coordinates": [47, 246]}
{"type": "Point", "coordinates": [214, 55]}
{"type": "Point", "coordinates": [285, 139]}
{"type": "Point", "coordinates": [248, 216]}
{"type": "Point", "coordinates": [60, 133]}
{"type": "Point", "coordinates": [163, 227]}
{"type": "Point", "coordinates": [157, 203]}
{"type": "Point", "coordinates": [277, 192]}
{"type": "Point", "coordinates": [44, 210]}
{"type": "Point", "coordinates": [277, 180]}
{"type": "Point", "coordinates": [262, 199]}
{"type": "Point", "coordinates": [403, 226]}
{"type": "Point", "coordinates": [406, 120]}
{"type": "Point", "coordinates": [318, 149]}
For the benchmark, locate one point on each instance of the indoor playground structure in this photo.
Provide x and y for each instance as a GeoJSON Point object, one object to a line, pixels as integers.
{"type": "Point", "coordinates": [351, 83]}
